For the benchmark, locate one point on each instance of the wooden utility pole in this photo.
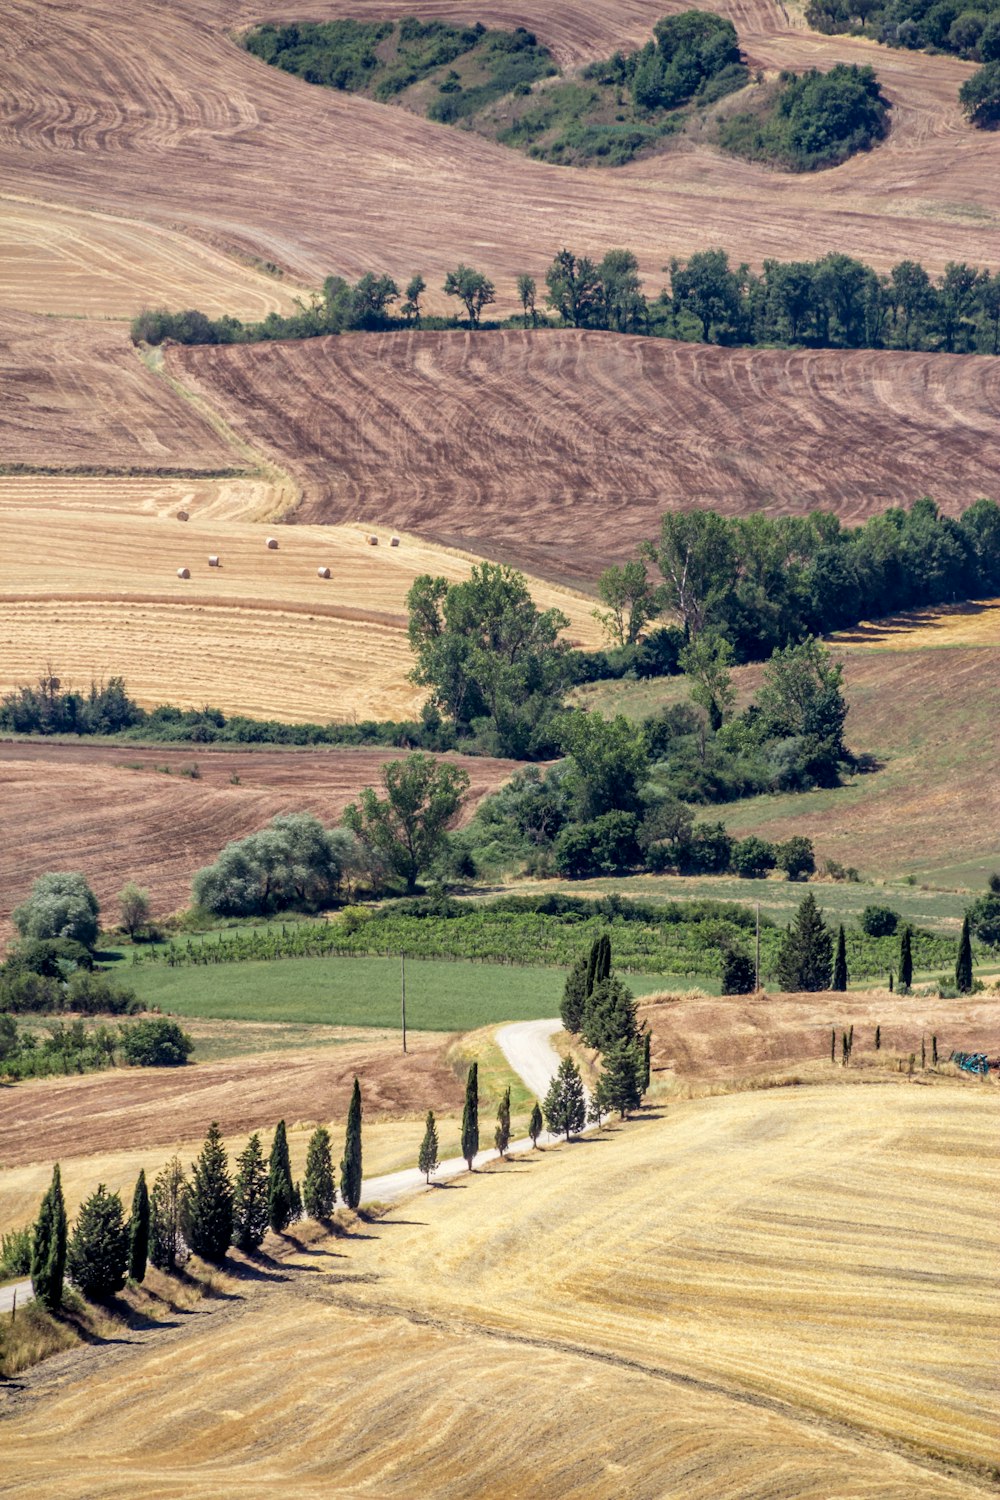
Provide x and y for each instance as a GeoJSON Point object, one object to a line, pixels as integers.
{"type": "Point", "coordinates": [402, 993]}
{"type": "Point", "coordinates": [756, 964]}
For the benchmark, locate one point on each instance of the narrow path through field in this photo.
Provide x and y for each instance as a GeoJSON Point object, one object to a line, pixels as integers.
{"type": "Point", "coordinates": [529, 1050]}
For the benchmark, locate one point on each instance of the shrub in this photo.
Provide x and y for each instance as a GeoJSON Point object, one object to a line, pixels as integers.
{"type": "Point", "coordinates": [156, 1043]}
{"type": "Point", "coordinates": [979, 96]}
{"type": "Point", "coordinates": [53, 957]}
{"type": "Point", "coordinates": [796, 857]}
{"type": "Point", "coordinates": [92, 994]}
{"type": "Point", "coordinates": [15, 1253]}
{"type": "Point", "coordinates": [604, 846]}
{"type": "Point", "coordinates": [738, 973]}
{"type": "Point", "coordinates": [879, 921]}
{"type": "Point", "coordinates": [708, 850]}
{"type": "Point", "coordinates": [984, 919]}
{"type": "Point", "coordinates": [61, 905]}
{"type": "Point", "coordinates": [26, 992]}
{"type": "Point", "coordinates": [753, 857]}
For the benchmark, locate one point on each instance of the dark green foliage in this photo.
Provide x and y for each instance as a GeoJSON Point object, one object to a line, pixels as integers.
{"type": "Point", "coordinates": [878, 1038]}
{"type": "Point", "coordinates": [738, 972]}
{"type": "Point", "coordinates": [93, 994]}
{"type": "Point", "coordinates": [879, 921]}
{"type": "Point", "coordinates": [319, 1193]}
{"type": "Point", "coordinates": [621, 1077]}
{"type": "Point", "coordinates": [280, 1188]}
{"type": "Point", "coordinates": [208, 1222]}
{"type": "Point", "coordinates": [48, 1250]}
{"type": "Point", "coordinates": [427, 1161]}
{"type": "Point", "coordinates": [15, 1252]}
{"type": "Point", "coordinates": [984, 919]}
{"type": "Point", "coordinates": [501, 1137]}
{"type": "Point", "coordinates": [839, 981]}
{"type": "Point", "coordinates": [138, 1231]}
{"type": "Point", "coordinates": [752, 857]}
{"type": "Point", "coordinates": [55, 958]}
{"type": "Point", "coordinates": [251, 1206]}
{"type": "Point", "coordinates": [804, 961]}
{"type": "Point", "coordinates": [407, 829]}
{"type": "Point", "coordinates": [905, 960]}
{"type": "Point", "coordinates": [812, 119]}
{"type": "Point", "coordinates": [566, 1103]}
{"type": "Point", "coordinates": [470, 1116]}
{"type": "Point", "coordinates": [575, 993]}
{"type": "Point", "coordinates": [350, 1166]}
{"type": "Point", "coordinates": [833, 1045]}
{"type": "Point", "coordinates": [934, 1051]}
{"type": "Point", "coordinates": [98, 1255]}
{"type": "Point", "coordinates": [972, 32]}
{"type": "Point", "coordinates": [608, 845]}
{"type": "Point", "coordinates": [61, 905]}
{"type": "Point", "coordinates": [48, 708]}
{"type": "Point", "coordinates": [647, 1048]}
{"type": "Point", "coordinates": [795, 856]}
{"type": "Point", "coordinates": [535, 1123]}
{"type": "Point", "coordinates": [609, 1015]}
{"type": "Point", "coordinates": [292, 864]}
{"type": "Point", "coordinates": [963, 963]}
{"type": "Point", "coordinates": [156, 1043]}
{"type": "Point", "coordinates": [474, 290]}
{"type": "Point", "coordinates": [167, 1211]}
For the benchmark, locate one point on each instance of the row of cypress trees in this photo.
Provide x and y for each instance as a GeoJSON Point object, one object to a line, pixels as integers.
{"type": "Point", "coordinates": [598, 1007]}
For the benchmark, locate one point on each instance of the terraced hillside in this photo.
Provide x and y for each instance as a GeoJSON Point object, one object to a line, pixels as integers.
{"type": "Point", "coordinates": [562, 449]}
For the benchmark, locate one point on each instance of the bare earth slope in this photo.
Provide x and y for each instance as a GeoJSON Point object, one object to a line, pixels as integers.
{"type": "Point", "coordinates": [204, 136]}
{"type": "Point", "coordinates": [565, 447]}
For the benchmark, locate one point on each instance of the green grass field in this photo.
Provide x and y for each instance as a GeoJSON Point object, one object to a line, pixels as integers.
{"type": "Point", "coordinates": [365, 992]}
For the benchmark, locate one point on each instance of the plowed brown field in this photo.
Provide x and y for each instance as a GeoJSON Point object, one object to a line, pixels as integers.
{"type": "Point", "coordinates": [206, 137]}
{"type": "Point", "coordinates": [563, 449]}
{"type": "Point", "coordinates": [82, 807]}
{"type": "Point", "coordinates": [77, 394]}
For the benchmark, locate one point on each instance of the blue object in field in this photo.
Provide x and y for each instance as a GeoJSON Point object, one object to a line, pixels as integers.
{"type": "Point", "coordinates": [972, 1062]}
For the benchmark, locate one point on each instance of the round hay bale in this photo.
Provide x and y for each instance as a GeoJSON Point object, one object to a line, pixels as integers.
{"type": "Point", "coordinates": [183, 572]}
{"type": "Point", "coordinates": [373, 541]}
{"type": "Point", "coordinates": [272, 544]}
{"type": "Point", "coordinates": [182, 515]}
{"type": "Point", "coordinates": [323, 572]}
{"type": "Point", "coordinates": [394, 541]}
{"type": "Point", "coordinates": [213, 560]}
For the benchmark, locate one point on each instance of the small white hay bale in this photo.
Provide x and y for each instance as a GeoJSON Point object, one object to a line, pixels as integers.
{"type": "Point", "coordinates": [213, 560]}
{"type": "Point", "coordinates": [372, 541]}
{"type": "Point", "coordinates": [394, 541]}
{"type": "Point", "coordinates": [183, 572]}
{"type": "Point", "coordinates": [323, 572]}
{"type": "Point", "coordinates": [182, 515]}
{"type": "Point", "coordinates": [272, 544]}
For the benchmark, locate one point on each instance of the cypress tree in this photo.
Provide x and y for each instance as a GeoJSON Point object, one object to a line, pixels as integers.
{"type": "Point", "coordinates": [934, 1054]}
{"type": "Point", "coordinates": [602, 967]}
{"type": "Point", "coordinates": [923, 1053]}
{"type": "Point", "coordinates": [535, 1123]}
{"type": "Point", "coordinates": [98, 1254]}
{"type": "Point", "coordinates": [280, 1188]}
{"type": "Point", "coordinates": [850, 1040]}
{"type": "Point", "coordinates": [840, 962]}
{"type": "Point", "coordinates": [566, 1102]}
{"type": "Point", "coordinates": [963, 964]}
{"type": "Point", "coordinates": [905, 960]}
{"type": "Point", "coordinates": [620, 1079]}
{"type": "Point", "coordinates": [48, 1247]}
{"type": "Point", "coordinates": [878, 1038]}
{"type": "Point", "coordinates": [319, 1192]}
{"type": "Point", "coordinates": [804, 960]}
{"type": "Point", "coordinates": [166, 1216]}
{"type": "Point", "coordinates": [138, 1231]}
{"type": "Point", "coordinates": [833, 1044]}
{"type": "Point", "coordinates": [350, 1166]}
{"type": "Point", "coordinates": [250, 1198]}
{"type": "Point", "coordinates": [470, 1117]}
{"type": "Point", "coordinates": [501, 1137]}
{"type": "Point", "coordinates": [209, 1219]}
{"type": "Point", "coordinates": [427, 1161]}
{"type": "Point", "coordinates": [575, 994]}
{"type": "Point", "coordinates": [739, 975]}
{"type": "Point", "coordinates": [647, 1061]}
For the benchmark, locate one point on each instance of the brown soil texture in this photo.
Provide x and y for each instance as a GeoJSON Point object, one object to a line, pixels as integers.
{"type": "Point", "coordinates": [708, 1039]}
{"type": "Point", "coordinates": [53, 1119]}
{"type": "Point", "coordinates": [77, 394]}
{"type": "Point", "coordinates": [155, 109]}
{"type": "Point", "coordinates": [562, 449]}
{"type": "Point", "coordinates": [81, 807]}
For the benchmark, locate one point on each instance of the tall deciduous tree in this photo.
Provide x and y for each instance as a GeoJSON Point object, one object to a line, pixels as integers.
{"type": "Point", "coordinates": [98, 1252]}
{"type": "Point", "coordinates": [470, 1116]}
{"type": "Point", "coordinates": [133, 903]}
{"type": "Point", "coordinates": [472, 288]}
{"type": "Point", "coordinates": [804, 959]}
{"type": "Point", "coordinates": [350, 1166]}
{"type": "Point", "coordinates": [840, 962]}
{"type": "Point", "coordinates": [61, 904]}
{"type": "Point", "coordinates": [706, 662]}
{"type": "Point", "coordinates": [250, 1197]}
{"type": "Point", "coordinates": [698, 558]}
{"type": "Point", "coordinates": [48, 1246]}
{"type": "Point", "coordinates": [319, 1192]}
{"type": "Point", "coordinates": [963, 963]}
{"type": "Point", "coordinates": [427, 1161]}
{"type": "Point", "coordinates": [630, 602]}
{"type": "Point", "coordinates": [574, 289]}
{"type": "Point", "coordinates": [527, 292]}
{"type": "Point", "coordinates": [280, 1188]}
{"type": "Point", "coordinates": [209, 1218]}
{"type": "Point", "coordinates": [166, 1216]}
{"type": "Point", "coordinates": [138, 1230]}
{"type": "Point", "coordinates": [407, 828]}
{"type": "Point", "coordinates": [566, 1102]}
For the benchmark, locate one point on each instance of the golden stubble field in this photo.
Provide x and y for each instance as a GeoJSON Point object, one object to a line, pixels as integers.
{"type": "Point", "coordinates": [782, 1294]}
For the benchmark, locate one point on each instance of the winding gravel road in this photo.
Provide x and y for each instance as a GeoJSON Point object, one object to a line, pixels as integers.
{"type": "Point", "coordinates": [527, 1046]}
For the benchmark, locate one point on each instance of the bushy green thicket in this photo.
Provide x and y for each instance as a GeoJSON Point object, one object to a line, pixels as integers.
{"type": "Point", "coordinates": [68, 1048]}
{"type": "Point", "coordinates": [812, 120]}
{"type": "Point", "coordinates": [968, 30]}
{"type": "Point", "coordinates": [292, 863]}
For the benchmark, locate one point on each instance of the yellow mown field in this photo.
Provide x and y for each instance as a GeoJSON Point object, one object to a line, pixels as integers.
{"type": "Point", "coordinates": [94, 593]}
{"type": "Point", "coordinates": [764, 1295]}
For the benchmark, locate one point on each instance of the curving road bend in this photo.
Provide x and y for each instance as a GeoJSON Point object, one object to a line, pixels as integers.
{"type": "Point", "coordinates": [526, 1045]}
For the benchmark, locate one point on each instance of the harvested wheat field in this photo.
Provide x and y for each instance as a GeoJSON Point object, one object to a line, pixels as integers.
{"type": "Point", "coordinates": [66, 261]}
{"type": "Point", "coordinates": [237, 498]}
{"type": "Point", "coordinates": [207, 138]}
{"type": "Point", "coordinates": [761, 1296]}
{"type": "Point", "coordinates": [77, 395]}
{"type": "Point", "coordinates": [562, 449]}
{"type": "Point", "coordinates": [97, 593]}
{"type": "Point", "coordinates": [117, 814]}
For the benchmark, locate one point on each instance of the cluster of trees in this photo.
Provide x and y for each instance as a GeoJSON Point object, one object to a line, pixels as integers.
{"type": "Point", "coordinates": [694, 55]}
{"type": "Point", "coordinates": [811, 120]}
{"type": "Point", "coordinates": [599, 1008]}
{"type": "Point", "coordinates": [836, 302]}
